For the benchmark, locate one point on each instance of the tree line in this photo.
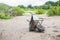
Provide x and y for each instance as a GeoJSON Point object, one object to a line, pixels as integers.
{"type": "Point", "coordinates": [50, 7]}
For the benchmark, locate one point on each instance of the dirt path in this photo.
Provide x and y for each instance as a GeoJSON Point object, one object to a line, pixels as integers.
{"type": "Point", "coordinates": [17, 29]}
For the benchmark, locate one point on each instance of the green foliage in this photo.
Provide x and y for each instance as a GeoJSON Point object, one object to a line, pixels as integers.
{"type": "Point", "coordinates": [4, 6]}
{"type": "Point", "coordinates": [50, 3]}
{"type": "Point", "coordinates": [45, 7]}
{"type": "Point", "coordinates": [29, 6]}
{"type": "Point", "coordinates": [54, 10]}
{"type": "Point", "coordinates": [18, 11]}
{"type": "Point", "coordinates": [4, 16]}
{"type": "Point", "coordinates": [58, 3]}
{"type": "Point", "coordinates": [21, 6]}
{"type": "Point", "coordinates": [36, 7]}
{"type": "Point", "coordinates": [39, 11]}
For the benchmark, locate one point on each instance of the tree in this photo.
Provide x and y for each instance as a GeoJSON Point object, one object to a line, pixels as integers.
{"type": "Point", "coordinates": [57, 3]}
{"type": "Point", "coordinates": [45, 6]}
{"type": "Point", "coordinates": [29, 6]}
{"type": "Point", "coordinates": [36, 7]}
{"type": "Point", "coordinates": [50, 3]}
{"type": "Point", "coordinates": [21, 6]}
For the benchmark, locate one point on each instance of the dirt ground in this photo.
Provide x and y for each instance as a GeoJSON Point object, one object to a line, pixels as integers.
{"type": "Point", "coordinates": [17, 28]}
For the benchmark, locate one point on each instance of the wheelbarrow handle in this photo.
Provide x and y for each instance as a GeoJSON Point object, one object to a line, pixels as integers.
{"type": "Point", "coordinates": [41, 20]}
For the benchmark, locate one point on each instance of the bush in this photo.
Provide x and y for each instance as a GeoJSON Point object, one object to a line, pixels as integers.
{"type": "Point", "coordinates": [18, 11]}
{"type": "Point", "coordinates": [55, 10]}
{"type": "Point", "coordinates": [50, 13]}
{"type": "Point", "coordinates": [4, 16]}
{"type": "Point", "coordinates": [39, 11]}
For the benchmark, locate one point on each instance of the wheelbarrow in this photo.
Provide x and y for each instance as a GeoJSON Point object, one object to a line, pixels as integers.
{"type": "Point", "coordinates": [35, 24]}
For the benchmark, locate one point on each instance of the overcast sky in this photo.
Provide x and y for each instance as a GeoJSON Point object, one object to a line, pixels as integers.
{"type": "Point", "coordinates": [25, 2]}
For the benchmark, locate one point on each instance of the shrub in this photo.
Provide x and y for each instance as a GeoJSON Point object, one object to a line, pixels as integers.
{"type": "Point", "coordinates": [54, 10]}
{"type": "Point", "coordinates": [18, 11]}
{"type": "Point", "coordinates": [39, 11]}
{"type": "Point", "coordinates": [50, 13]}
{"type": "Point", "coordinates": [4, 16]}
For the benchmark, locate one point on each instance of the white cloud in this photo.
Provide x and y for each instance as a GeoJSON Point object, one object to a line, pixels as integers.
{"type": "Point", "coordinates": [24, 2]}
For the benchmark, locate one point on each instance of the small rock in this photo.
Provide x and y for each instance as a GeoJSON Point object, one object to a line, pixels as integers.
{"type": "Point", "coordinates": [55, 31]}
{"type": "Point", "coordinates": [58, 35]}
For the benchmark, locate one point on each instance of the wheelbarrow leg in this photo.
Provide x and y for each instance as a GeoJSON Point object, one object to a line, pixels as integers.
{"type": "Point", "coordinates": [32, 28]}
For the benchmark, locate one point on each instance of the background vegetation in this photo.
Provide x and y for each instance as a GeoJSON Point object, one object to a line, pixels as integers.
{"type": "Point", "coordinates": [50, 7]}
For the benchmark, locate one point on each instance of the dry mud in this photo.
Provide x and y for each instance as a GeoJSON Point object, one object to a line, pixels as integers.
{"type": "Point", "coordinates": [17, 28]}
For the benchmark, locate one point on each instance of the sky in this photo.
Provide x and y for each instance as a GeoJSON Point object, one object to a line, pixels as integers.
{"type": "Point", "coordinates": [25, 2]}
